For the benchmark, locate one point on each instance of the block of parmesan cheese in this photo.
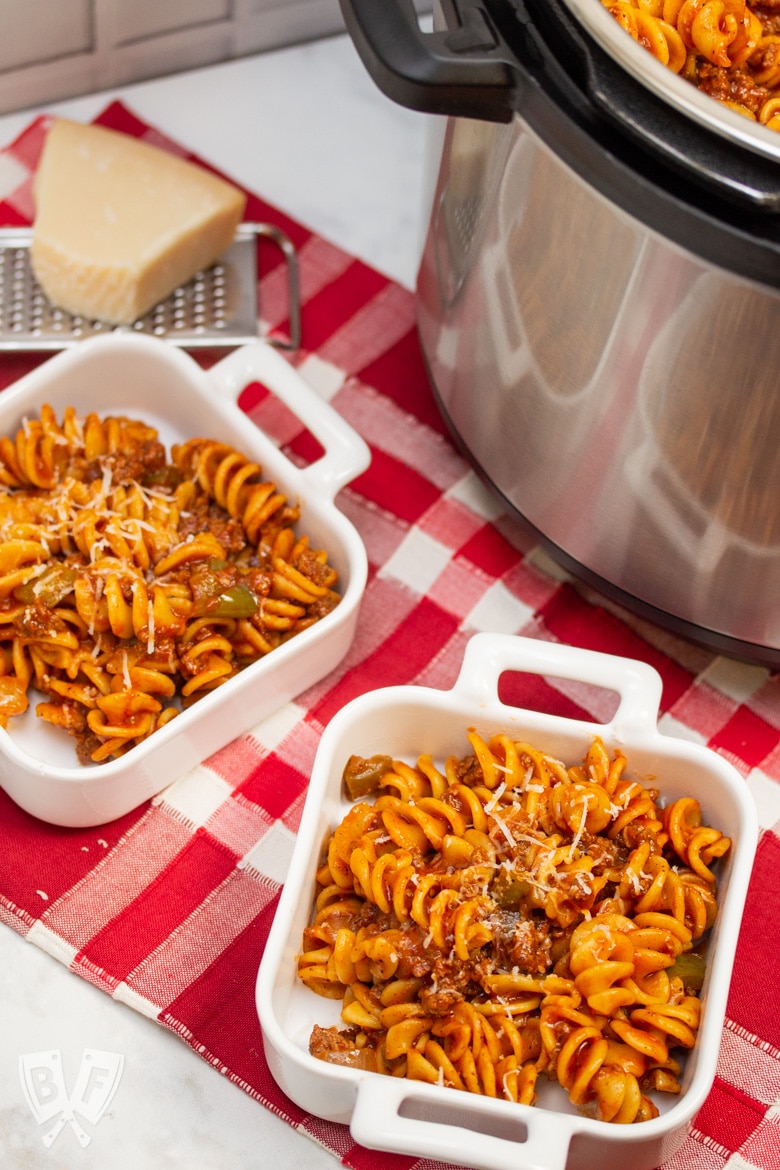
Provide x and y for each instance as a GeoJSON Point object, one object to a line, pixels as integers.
{"type": "Point", "coordinates": [119, 224]}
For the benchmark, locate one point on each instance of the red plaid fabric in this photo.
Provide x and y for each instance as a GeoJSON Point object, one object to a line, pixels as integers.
{"type": "Point", "coordinates": [167, 910]}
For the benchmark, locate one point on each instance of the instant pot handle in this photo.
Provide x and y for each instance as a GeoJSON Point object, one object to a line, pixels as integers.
{"type": "Point", "coordinates": [466, 71]}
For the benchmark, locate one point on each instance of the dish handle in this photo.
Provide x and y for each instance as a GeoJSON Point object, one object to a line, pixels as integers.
{"type": "Point", "coordinates": [637, 684]}
{"type": "Point", "coordinates": [405, 1118]}
{"type": "Point", "coordinates": [346, 454]}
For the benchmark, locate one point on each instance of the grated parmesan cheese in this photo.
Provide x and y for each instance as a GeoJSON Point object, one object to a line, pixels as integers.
{"type": "Point", "coordinates": [106, 482]}
{"type": "Point", "coordinates": [502, 825]}
{"type": "Point", "coordinates": [578, 835]}
{"type": "Point", "coordinates": [492, 803]}
{"type": "Point", "coordinates": [150, 619]}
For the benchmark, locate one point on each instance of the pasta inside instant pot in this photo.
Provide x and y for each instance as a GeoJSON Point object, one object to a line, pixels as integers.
{"type": "Point", "coordinates": [728, 49]}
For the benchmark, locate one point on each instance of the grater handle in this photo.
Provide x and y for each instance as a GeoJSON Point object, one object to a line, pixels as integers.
{"type": "Point", "coordinates": [346, 454]}
{"type": "Point", "coordinates": [286, 247]}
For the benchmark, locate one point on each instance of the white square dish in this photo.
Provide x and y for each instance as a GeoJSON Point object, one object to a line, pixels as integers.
{"type": "Point", "coordinates": [428, 1120]}
{"type": "Point", "coordinates": [149, 379]}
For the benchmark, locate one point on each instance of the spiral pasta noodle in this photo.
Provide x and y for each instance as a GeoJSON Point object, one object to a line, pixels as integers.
{"type": "Point", "coordinates": [729, 49]}
{"type": "Point", "coordinates": [508, 917]}
{"type": "Point", "coordinates": [134, 581]}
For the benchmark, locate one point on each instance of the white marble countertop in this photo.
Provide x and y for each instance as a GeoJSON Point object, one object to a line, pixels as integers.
{"type": "Point", "coordinates": [318, 140]}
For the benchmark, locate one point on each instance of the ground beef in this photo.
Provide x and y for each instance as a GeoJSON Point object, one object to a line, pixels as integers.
{"type": "Point", "coordinates": [86, 745]}
{"type": "Point", "coordinates": [731, 86]}
{"type": "Point", "coordinates": [436, 1002]}
{"type": "Point", "coordinates": [140, 463]}
{"type": "Point", "coordinates": [522, 943]}
{"type": "Point", "coordinates": [203, 515]}
{"type": "Point", "coordinates": [325, 1040]}
{"type": "Point", "coordinates": [36, 621]}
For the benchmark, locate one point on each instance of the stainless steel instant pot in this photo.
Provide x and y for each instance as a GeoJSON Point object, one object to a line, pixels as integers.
{"type": "Point", "coordinates": [599, 302]}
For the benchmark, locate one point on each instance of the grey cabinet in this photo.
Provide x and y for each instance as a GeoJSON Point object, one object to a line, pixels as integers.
{"type": "Point", "coordinates": [54, 49]}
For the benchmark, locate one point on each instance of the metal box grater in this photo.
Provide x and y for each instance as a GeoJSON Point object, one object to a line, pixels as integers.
{"type": "Point", "coordinates": [217, 307]}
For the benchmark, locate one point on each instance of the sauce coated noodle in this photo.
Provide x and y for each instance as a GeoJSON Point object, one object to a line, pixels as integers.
{"type": "Point", "coordinates": [133, 583]}
{"type": "Point", "coordinates": [727, 48]}
{"type": "Point", "coordinates": [509, 918]}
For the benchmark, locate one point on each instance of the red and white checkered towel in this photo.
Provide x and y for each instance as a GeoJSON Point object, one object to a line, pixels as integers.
{"type": "Point", "coordinates": [168, 909]}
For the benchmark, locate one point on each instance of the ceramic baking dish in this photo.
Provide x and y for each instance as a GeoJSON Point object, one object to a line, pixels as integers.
{"type": "Point", "coordinates": [147, 378]}
{"type": "Point", "coordinates": [429, 1121]}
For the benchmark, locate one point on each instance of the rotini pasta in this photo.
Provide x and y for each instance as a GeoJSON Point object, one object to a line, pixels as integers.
{"type": "Point", "coordinates": [729, 49]}
{"type": "Point", "coordinates": [508, 918]}
{"type": "Point", "coordinates": [133, 582]}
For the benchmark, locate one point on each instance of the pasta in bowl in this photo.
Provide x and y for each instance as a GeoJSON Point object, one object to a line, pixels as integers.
{"type": "Point", "coordinates": [506, 937]}
{"type": "Point", "coordinates": [508, 917]}
{"type": "Point", "coordinates": [168, 577]}
{"type": "Point", "coordinates": [131, 578]}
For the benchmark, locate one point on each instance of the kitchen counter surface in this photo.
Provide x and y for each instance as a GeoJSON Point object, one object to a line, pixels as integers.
{"type": "Point", "coordinates": [314, 137]}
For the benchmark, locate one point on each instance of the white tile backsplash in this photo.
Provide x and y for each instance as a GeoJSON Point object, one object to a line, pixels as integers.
{"type": "Point", "coordinates": [56, 49]}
